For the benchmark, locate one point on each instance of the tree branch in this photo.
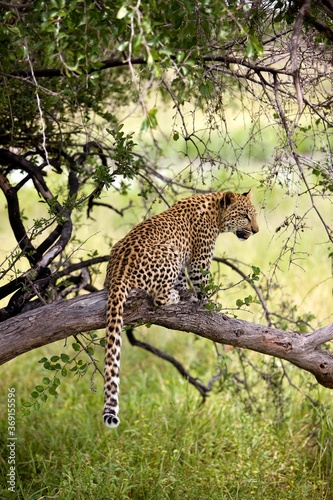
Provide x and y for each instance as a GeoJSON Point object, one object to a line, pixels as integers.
{"type": "Point", "coordinates": [9, 5]}
{"type": "Point", "coordinates": [37, 278]}
{"type": "Point", "coordinates": [15, 220]}
{"type": "Point", "coordinates": [60, 320]}
{"type": "Point", "coordinates": [294, 48]}
{"type": "Point", "coordinates": [202, 388]}
{"type": "Point", "coordinates": [118, 62]}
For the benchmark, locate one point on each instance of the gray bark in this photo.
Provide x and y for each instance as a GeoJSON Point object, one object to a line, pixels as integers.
{"type": "Point", "coordinates": [57, 321]}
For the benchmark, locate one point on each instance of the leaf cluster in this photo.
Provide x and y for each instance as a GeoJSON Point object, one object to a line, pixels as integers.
{"type": "Point", "coordinates": [63, 365]}
{"type": "Point", "coordinates": [60, 51]}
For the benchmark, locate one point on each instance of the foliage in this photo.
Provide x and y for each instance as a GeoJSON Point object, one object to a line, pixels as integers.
{"type": "Point", "coordinates": [63, 365]}
{"type": "Point", "coordinates": [68, 70]}
{"type": "Point", "coordinates": [122, 104]}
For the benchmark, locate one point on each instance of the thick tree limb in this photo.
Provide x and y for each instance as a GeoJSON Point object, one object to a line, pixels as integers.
{"type": "Point", "coordinates": [15, 219]}
{"type": "Point", "coordinates": [36, 279]}
{"type": "Point", "coordinates": [60, 320]}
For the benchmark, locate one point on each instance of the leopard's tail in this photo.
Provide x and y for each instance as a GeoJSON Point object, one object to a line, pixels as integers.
{"type": "Point", "coordinates": [114, 323]}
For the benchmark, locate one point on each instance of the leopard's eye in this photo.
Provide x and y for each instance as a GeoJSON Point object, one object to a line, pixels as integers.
{"type": "Point", "coordinates": [247, 217]}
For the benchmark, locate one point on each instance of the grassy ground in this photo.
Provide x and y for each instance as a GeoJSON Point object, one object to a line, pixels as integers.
{"type": "Point", "coordinates": [167, 447]}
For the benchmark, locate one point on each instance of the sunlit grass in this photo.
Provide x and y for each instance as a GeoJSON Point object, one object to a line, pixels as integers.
{"type": "Point", "coordinates": [167, 445]}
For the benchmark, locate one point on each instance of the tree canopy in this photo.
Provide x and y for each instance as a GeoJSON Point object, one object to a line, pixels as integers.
{"type": "Point", "coordinates": [106, 106]}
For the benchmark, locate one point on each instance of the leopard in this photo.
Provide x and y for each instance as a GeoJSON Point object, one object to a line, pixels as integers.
{"type": "Point", "coordinates": [162, 255]}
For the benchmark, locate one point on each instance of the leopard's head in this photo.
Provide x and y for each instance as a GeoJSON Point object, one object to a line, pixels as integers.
{"type": "Point", "coordinates": [238, 215]}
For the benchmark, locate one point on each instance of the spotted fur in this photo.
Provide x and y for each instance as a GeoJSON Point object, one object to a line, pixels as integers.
{"type": "Point", "coordinates": [153, 257]}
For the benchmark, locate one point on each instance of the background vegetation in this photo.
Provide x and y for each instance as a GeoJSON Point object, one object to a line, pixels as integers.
{"type": "Point", "coordinates": [111, 111]}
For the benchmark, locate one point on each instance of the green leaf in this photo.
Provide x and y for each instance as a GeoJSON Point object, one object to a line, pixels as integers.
{"type": "Point", "coordinates": [150, 121]}
{"type": "Point", "coordinates": [210, 306]}
{"type": "Point", "coordinates": [76, 346]}
{"type": "Point", "coordinates": [204, 272]}
{"type": "Point", "coordinates": [55, 358]}
{"type": "Point", "coordinates": [248, 300]}
{"type": "Point", "coordinates": [150, 59]}
{"type": "Point", "coordinates": [249, 50]}
{"type": "Point", "coordinates": [53, 390]}
{"type": "Point", "coordinates": [144, 126]}
{"type": "Point", "coordinates": [206, 89]}
{"type": "Point", "coordinates": [254, 47]}
{"type": "Point", "coordinates": [122, 46]}
{"type": "Point", "coordinates": [64, 358]}
{"type": "Point", "coordinates": [122, 12]}
{"type": "Point", "coordinates": [35, 394]}
{"type": "Point", "coordinates": [39, 388]}
{"type": "Point", "coordinates": [36, 406]}
{"type": "Point", "coordinates": [152, 117]}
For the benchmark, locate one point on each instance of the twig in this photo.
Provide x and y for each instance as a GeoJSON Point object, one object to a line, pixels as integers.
{"type": "Point", "coordinates": [203, 389]}
{"type": "Point", "coordinates": [111, 207]}
{"type": "Point", "coordinates": [94, 362]}
{"type": "Point", "coordinates": [296, 157]}
{"type": "Point", "coordinates": [293, 51]}
{"type": "Point", "coordinates": [260, 296]}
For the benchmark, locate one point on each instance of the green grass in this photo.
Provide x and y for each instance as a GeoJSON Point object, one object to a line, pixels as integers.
{"type": "Point", "coordinates": [168, 447]}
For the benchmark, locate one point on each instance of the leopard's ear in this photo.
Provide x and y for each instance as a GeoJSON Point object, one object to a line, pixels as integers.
{"type": "Point", "coordinates": [228, 199]}
{"type": "Point", "coordinates": [247, 194]}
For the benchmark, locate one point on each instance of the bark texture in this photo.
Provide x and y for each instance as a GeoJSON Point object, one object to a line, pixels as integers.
{"type": "Point", "coordinates": [57, 321]}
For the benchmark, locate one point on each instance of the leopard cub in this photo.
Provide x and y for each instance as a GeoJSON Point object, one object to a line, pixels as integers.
{"type": "Point", "coordinates": [154, 256]}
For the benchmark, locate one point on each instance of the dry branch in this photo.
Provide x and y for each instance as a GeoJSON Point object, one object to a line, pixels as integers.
{"type": "Point", "coordinates": [60, 320]}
